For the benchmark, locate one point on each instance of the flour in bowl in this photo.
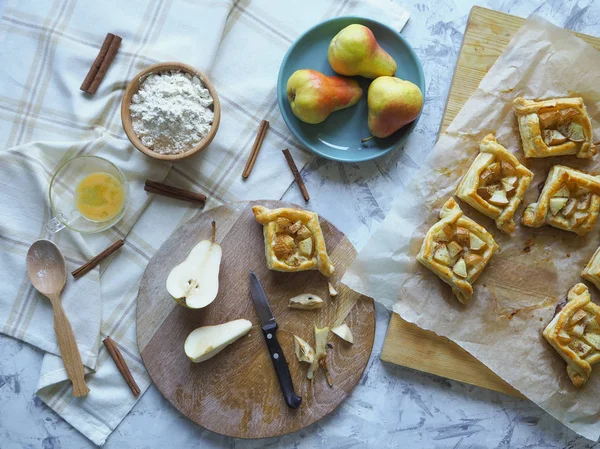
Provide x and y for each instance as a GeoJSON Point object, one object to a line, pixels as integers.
{"type": "Point", "coordinates": [171, 112]}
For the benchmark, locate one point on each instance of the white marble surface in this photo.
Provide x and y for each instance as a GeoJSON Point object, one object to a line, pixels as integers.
{"type": "Point", "coordinates": [391, 406]}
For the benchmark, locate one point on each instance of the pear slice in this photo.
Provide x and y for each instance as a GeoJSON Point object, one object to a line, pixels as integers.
{"type": "Point", "coordinates": [304, 351]}
{"type": "Point", "coordinates": [499, 198]}
{"type": "Point", "coordinates": [194, 283]}
{"type": "Point", "coordinates": [556, 204]}
{"type": "Point", "coordinates": [207, 341]}
{"type": "Point", "coordinates": [332, 291]}
{"type": "Point", "coordinates": [321, 336]}
{"type": "Point", "coordinates": [305, 301]}
{"type": "Point", "coordinates": [476, 243]}
{"type": "Point", "coordinates": [344, 332]}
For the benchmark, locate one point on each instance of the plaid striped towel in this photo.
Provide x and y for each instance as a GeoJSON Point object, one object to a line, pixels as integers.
{"type": "Point", "coordinates": [46, 48]}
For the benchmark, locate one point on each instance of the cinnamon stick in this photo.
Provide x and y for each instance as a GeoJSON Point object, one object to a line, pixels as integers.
{"type": "Point", "coordinates": [116, 355]}
{"type": "Point", "coordinates": [260, 136]}
{"type": "Point", "coordinates": [159, 188]}
{"type": "Point", "coordinates": [86, 267]}
{"type": "Point", "coordinates": [101, 64]}
{"type": "Point", "coordinates": [296, 173]}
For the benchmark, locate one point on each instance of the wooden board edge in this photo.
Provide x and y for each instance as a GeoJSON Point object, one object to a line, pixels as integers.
{"type": "Point", "coordinates": [442, 355]}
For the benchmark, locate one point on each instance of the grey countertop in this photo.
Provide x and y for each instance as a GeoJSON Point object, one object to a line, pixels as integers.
{"type": "Point", "coordinates": [391, 406]}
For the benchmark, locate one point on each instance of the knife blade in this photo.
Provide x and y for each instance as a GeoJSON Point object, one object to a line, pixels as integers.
{"type": "Point", "coordinates": [269, 327]}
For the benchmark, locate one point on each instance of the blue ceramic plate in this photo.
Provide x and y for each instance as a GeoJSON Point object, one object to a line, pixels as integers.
{"type": "Point", "coordinates": [338, 137]}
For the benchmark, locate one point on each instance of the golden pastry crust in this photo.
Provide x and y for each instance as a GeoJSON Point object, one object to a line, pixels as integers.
{"type": "Point", "coordinates": [495, 183]}
{"type": "Point", "coordinates": [457, 249]}
{"type": "Point", "coordinates": [575, 334]}
{"type": "Point", "coordinates": [570, 200]}
{"type": "Point", "coordinates": [555, 127]}
{"type": "Point", "coordinates": [293, 240]}
{"type": "Point", "coordinates": [591, 272]}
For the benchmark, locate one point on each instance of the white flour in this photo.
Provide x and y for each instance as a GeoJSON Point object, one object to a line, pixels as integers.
{"type": "Point", "coordinates": [171, 112]}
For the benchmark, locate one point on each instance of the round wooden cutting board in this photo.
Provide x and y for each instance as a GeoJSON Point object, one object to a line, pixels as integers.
{"type": "Point", "coordinates": [236, 393]}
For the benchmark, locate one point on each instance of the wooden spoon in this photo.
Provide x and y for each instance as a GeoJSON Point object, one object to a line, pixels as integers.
{"type": "Point", "coordinates": [48, 273]}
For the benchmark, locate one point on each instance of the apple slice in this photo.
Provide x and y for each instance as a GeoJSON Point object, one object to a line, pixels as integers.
{"type": "Point", "coordinates": [563, 192]}
{"type": "Point", "coordinates": [207, 341]}
{"type": "Point", "coordinates": [321, 336]}
{"type": "Point", "coordinates": [556, 204]}
{"type": "Point", "coordinates": [575, 132]}
{"type": "Point", "coordinates": [460, 268]}
{"type": "Point", "coordinates": [553, 137]}
{"type": "Point", "coordinates": [462, 236]}
{"type": "Point", "coordinates": [441, 255]}
{"type": "Point", "coordinates": [306, 247]}
{"type": "Point", "coordinates": [194, 283]}
{"type": "Point", "coordinates": [508, 169]}
{"type": "Point", "coordinates": [332, 291]}
{"type": "Point", "coordinates": [304, 351]}
{"type": "Point", "coordinates": [475, 242]}
{"type": "Point", "coordinates": [344, 332]}
{"type": "Point", "coordinates": [509, 183]}
{"type": "Point", "coordinates": [570, 207]}
{"type": "Point", "coordinates": [454, 249]}
{"type": "Point", "coordinates": [499, 198]}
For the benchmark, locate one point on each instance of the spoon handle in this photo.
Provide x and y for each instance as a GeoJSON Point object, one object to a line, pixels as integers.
{"type": "Point", "coordinates": [68, 347]}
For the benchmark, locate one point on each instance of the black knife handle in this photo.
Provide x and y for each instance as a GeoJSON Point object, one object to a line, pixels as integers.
{"type": "Point", "coordinates": [281, 367]}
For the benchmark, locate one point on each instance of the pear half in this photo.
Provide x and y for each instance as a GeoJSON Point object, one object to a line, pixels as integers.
{"type": "Point", "coordinates": [194, 283]}
{"type": "Point", "coordinates": [207, 341]}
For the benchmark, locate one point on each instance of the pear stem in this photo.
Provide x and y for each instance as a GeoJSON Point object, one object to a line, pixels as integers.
{"type": "Point", "coordinates": [366, 139]}
{"type": "Point", "coordinates": [214, 231]}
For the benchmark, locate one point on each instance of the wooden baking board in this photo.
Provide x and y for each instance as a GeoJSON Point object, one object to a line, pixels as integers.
{"type": "Point", "coordinates": [486, 36]}
{"type": "Point", "coordinates": [236, 393]}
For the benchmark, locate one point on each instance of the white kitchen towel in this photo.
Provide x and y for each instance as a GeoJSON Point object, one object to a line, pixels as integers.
{"type": "Point", "coordinates": [46, 49]}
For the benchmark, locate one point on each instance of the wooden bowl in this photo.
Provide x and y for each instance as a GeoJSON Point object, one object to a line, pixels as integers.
{"type": "Point", "coordinates": [133, 87]}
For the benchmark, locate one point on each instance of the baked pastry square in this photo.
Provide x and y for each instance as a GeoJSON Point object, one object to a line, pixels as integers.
{"type": "Point", "coordinates": [293, 240]}
{"type": "Point", "coordinates": [570, 200]}
{"type": "Point", "coordinates": [555, 127]}
{"type": "Point", "coordinates": [575, 334]}
{"type": "Point", "coordinates": [591, 272]}
{"type": "Point", "coordinates": [495, 183]}
{"type": "Point", "coordinates": [457, 249]}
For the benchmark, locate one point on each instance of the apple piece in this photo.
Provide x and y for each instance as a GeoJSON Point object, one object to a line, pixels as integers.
{"type": "Point", "coordinates": [473, 260]}
{"type": "Point", "coordinates": [563, 192]}
{"type": "Point", "coordinates": [454, 249]}
{"type": "Point", "coordinates": [304, 351]}
{"type": "Point", "coordinates": [569, 112]}
{"type": "Point", "coordinates": [578, 329]}
{"type": "Point", "coordinates": [194, 283]}
{"type": "Point", "coordinates": [284, 246]}
{"type": "Point", "coordinates": [303, 233]}
{"type": "Point", "coordinates": [485, 176]}
{"type": "Point", "coordinates": [583, 202]}
{"type": "Point", "coordinates": [443, 235]}
{"type": "Point", "coordinates": [460, 268]}
{"type": "Point", "coordinates": [508, 169]}
{"type": "Point", "coordinates": [580, 347]}
{"type": "Point", "coordinates": [549, 117]}
{"type": "Point", "coordinates": [575, 132]}
{"type": "Point", "coordinates": [475, 242]}
{"type": "Point", "coordinates": [207, 341]}
{"type": "Point", "coordinates": [553, 137]}
{"type": "Point", "coordinates": [509, 183]}
{"type": "Point", "coordinates": [580, 190]}
{"type": "Point", "coordinates": [499, 198]}
{"type": "Point", "coordinates": [295, 227]}
{"type": "Point", "coordinates": [556, 204]}
{"type": "Point", "coordinates": [484, 193]}
{"type": "Point", "coordinates": [569, 208]}
{"type": "Point", "coordinates": [282, 225]}
{"type": "Point", "coordinates": [462, 236]}
{"type": "Point", "coordinates": [577, 317]}
{"type": "Point", "coordinates": [593, 339]}
{"type": "Point", "coordinates": [332, 291]}
{"type": "Point", "coordinates": [441, 255]}
{"type": "Point", "coordinates": [305, 301]}
{"type": "Point", "coordinates": [344, 332]}
{"type": "Point", "coordinates": [321, 336]}
{"type": "Point", "coordinates": [306, 247]}
{"type": "Point", "coordinates": [579, 218]}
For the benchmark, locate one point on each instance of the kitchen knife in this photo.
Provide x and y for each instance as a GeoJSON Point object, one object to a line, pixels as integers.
{"type": "Point", "coordinates": [269, 327]}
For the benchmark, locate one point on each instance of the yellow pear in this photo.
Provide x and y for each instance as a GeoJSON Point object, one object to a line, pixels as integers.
{"type": "Point", "coordinates": [393, 103]}
{"type": "Point", "coordinates": [355, 51]}
{"type": "Point", "coordinates": [313, 95]}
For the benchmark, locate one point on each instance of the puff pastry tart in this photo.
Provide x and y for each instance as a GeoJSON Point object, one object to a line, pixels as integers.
{"type": "Point", "coordinates": [457, 249]}
{"type": "Point", "coordinates": [495, 183]}
{"type": "Point", "coordinates": [570, 200]}
{"type": "Point", "coordinates": [591, 272]}
{"type": "Point", "coordinates": [555, 127]}
{"type": "Point", "coordinates": [293, 240]}
{"type": "Point", "coordinates": [575, 334]}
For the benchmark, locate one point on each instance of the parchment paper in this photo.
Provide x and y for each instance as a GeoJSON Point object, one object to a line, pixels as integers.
{"type": "Point", "coordinates": [516, 295]}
